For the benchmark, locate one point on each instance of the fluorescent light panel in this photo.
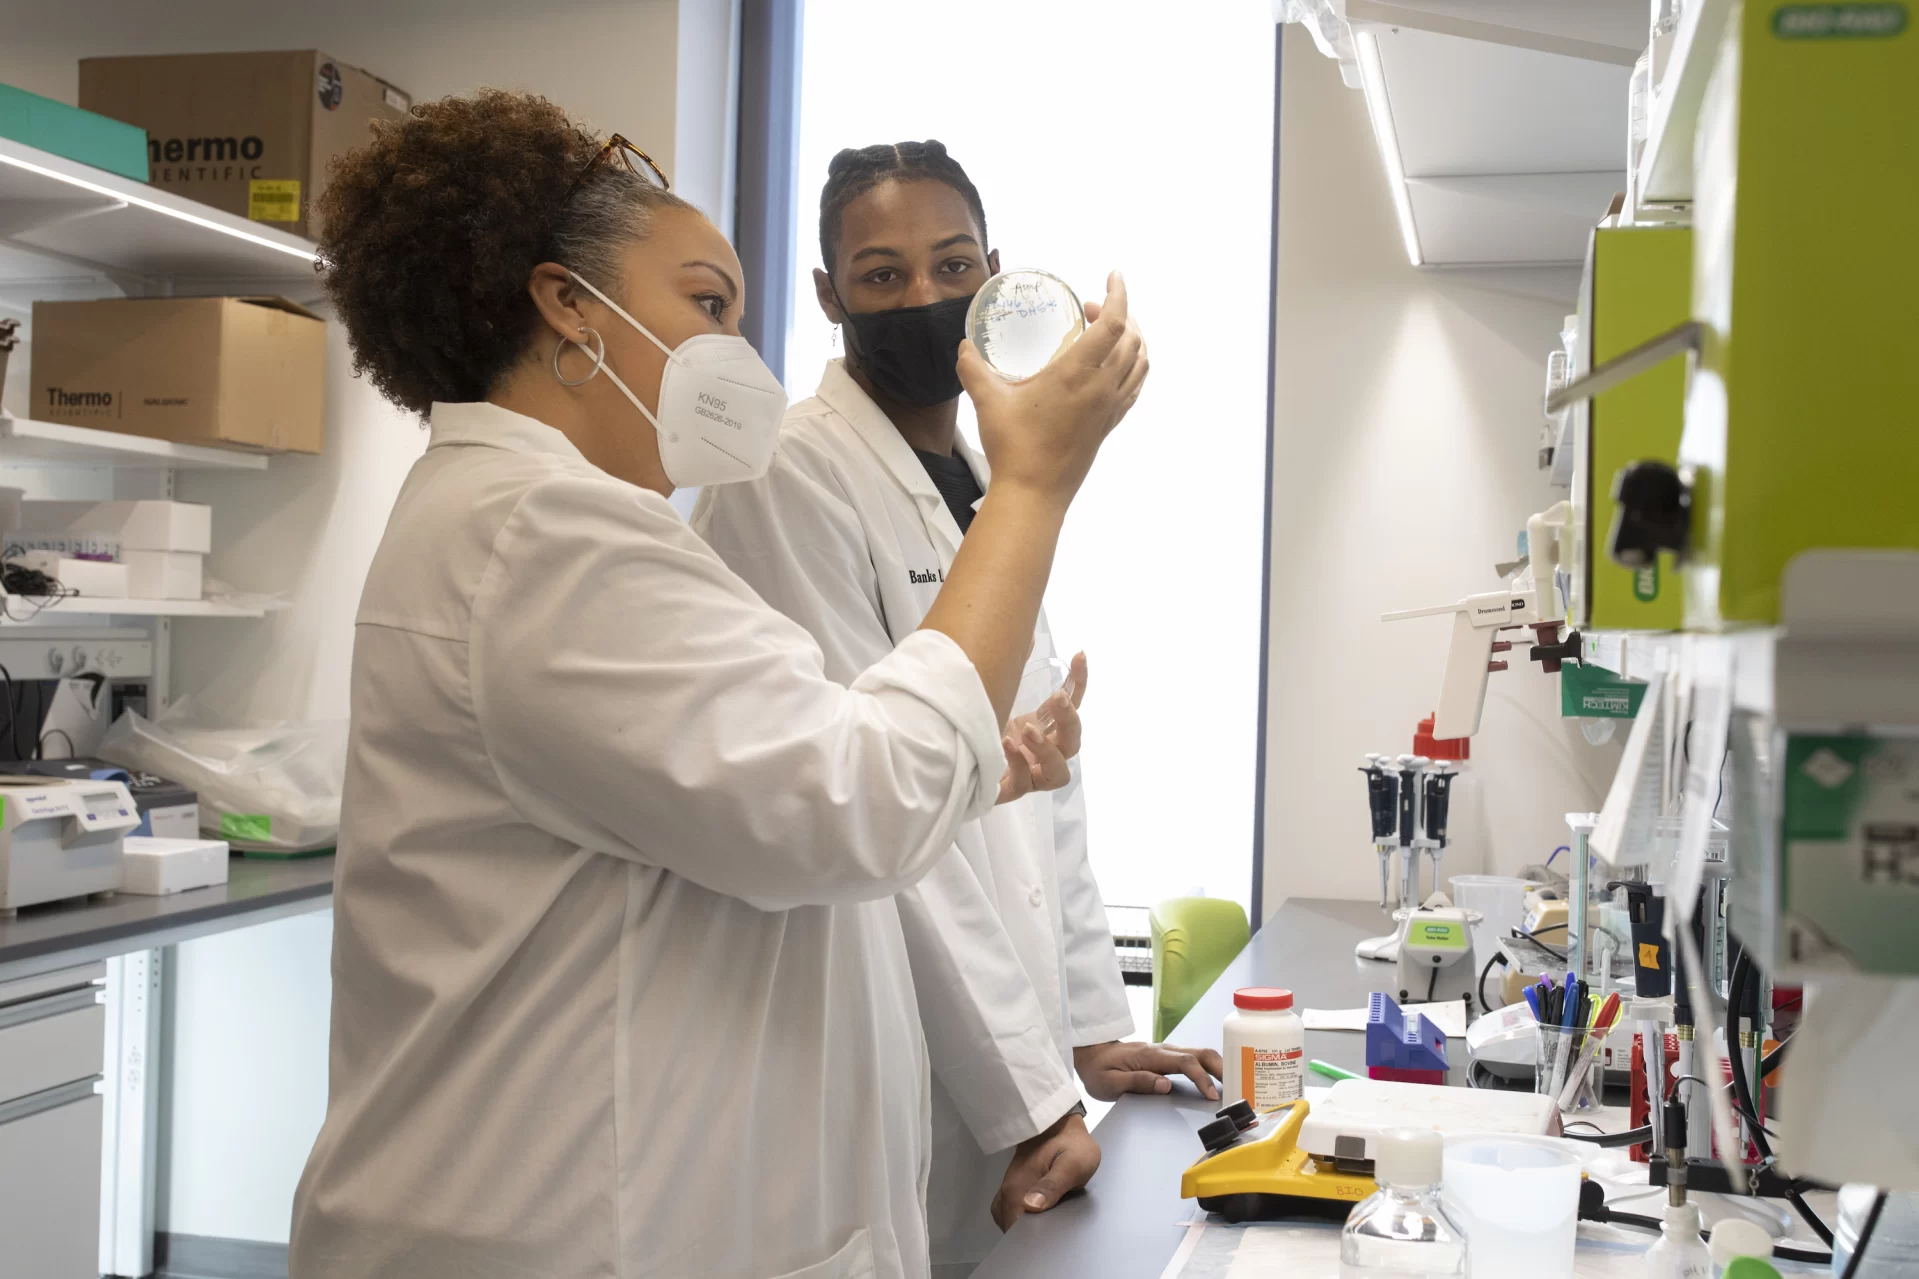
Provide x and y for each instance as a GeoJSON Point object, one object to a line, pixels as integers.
{"type": "Point", "coordinates": [1372, 79]}
{"type": "Point", "coordinates": [125, 197]}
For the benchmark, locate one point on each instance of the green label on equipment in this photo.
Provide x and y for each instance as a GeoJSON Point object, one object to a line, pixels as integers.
{"type": "Point", "coordinates": [254, 828]}
{"type": "Point", "coordinates": [1592, 692]}
{"type": "Point", "coordinates": [1438, 934]}
{"type": "Point", "coordinates": [1847, 880]}
{"type": "Point", "coordinates": [1838, 21]}
{"type": "Point", "coordinates": [1645, 583]}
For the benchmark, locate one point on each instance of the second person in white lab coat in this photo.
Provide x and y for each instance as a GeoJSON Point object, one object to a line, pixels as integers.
{"type": "Point", "coordinates": [851, 533]}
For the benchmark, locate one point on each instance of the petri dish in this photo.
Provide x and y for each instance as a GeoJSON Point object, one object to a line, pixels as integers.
{"type": "Point", "coordinates": [1021, 319]}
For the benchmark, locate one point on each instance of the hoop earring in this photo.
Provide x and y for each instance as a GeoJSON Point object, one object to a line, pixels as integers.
{"type": "Point", "coordinates": [599, 357]}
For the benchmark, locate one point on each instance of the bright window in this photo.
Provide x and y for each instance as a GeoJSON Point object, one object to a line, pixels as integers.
{"type": "Point", "coordinates": [1102, 134]}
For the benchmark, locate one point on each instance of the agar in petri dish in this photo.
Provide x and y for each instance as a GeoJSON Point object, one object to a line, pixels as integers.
{"type": "Point", "coordinates": [1021, 319]}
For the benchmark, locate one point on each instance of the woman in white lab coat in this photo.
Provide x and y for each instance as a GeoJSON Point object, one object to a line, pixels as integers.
{"type": "Point", "coordinates": [852, 533]}
{"type": "Point", "coordinates": [618, 978]}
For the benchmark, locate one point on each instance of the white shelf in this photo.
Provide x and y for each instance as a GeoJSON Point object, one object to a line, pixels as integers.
{"type": "Point", "coordinates": [1665, 166]}
{"type": "Point", "coordinates": [19, 606]}
{"type": "Point", "coordinates": [80, 216]}
{"type": "Point", "coordinates": [1632, 654]}
{"type": "Point", "coordinates": [25, 441]}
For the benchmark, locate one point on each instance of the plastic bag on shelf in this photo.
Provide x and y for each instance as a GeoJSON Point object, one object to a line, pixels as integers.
{"type": "Point", "coordinates": [273, 788]}
{"type": "Point", "coordinates": [218, 592]}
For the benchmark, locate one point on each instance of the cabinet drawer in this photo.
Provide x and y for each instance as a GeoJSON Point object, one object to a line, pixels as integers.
{"type": "Point", "coordinates": [56, 1049]}
{"type": "Point", "coordinates": [41, 985]}
{"type": "Point", "coordinates": [50, 1192]}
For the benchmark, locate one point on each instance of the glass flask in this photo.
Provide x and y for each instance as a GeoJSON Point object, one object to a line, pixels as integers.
{"type": "Point", "coordinates": [1401, 1231]}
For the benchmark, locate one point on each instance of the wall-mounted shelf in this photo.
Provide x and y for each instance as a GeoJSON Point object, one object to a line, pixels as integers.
{"type": "Point", "coordinates": [1665, 166]}
{"type": "Point", "coordinates": [20, 606]}
{"type": "Point", "coordinates": [74, 214]}
{"type": "Point", "coordinates": [25, 441]}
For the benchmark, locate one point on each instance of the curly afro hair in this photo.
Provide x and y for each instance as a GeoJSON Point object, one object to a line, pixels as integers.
{"type": "Point", "coordinates": [429, 232]}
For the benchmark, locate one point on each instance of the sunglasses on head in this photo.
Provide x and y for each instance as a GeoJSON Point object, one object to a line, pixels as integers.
{"type": "Point", "coordinates": [617, 150]}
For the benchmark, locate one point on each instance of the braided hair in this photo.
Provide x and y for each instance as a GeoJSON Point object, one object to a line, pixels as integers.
{"type": "Point", "coordinates": [855, 171]}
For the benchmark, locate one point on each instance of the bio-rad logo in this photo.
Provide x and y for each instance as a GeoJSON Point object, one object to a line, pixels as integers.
{"type": "Point", "coordinates": [211, 159]}
{"type": "Point", "coordinates": [72, 404]}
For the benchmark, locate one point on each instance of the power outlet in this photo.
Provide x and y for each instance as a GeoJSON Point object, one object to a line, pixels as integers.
{"type": "Point", "coordinates": [33, 658]}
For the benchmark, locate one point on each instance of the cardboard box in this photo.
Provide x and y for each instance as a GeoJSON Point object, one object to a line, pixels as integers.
{"type": "Point", "coordinates": [150, 525]}
{"type": "Point", "coordinates": [240, 373]}
{"type": "Point", "coordinates": [93, 578]}
{"type": "Point", "coordinates": [250, 133]}
{"type": "Point", "coordinates": [93, 139]}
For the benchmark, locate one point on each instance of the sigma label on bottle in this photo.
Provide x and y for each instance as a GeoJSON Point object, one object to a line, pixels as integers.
{"type": "Point", "coordinates": [1264, 1048]}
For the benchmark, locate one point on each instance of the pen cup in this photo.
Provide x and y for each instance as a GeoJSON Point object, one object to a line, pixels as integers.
{"type": "Point", "coordinates": [1568, 1068]}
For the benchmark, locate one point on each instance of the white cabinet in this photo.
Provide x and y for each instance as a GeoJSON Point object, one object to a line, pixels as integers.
{"type": "Point", "coordinates": [52, 1037]}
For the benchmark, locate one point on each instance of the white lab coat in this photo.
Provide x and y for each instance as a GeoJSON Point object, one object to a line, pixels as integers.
{"type": "Point", "coordinates": [848, 535]}
{"type": "Point", "coordinates": [618, 975]}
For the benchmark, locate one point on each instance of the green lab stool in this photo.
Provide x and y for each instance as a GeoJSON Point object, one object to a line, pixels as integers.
{"type": "Point", "coordinates": [1194, 938]}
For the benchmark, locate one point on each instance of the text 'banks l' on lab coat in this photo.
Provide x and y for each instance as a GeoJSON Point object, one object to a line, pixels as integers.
{"type": "Point", "coordinates": [1012, 956]}
{"type": "Point", "coordinates": [618, 973]}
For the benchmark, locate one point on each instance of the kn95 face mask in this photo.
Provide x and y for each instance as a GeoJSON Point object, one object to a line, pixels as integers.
{"type": "Point", "coordinates": [720, 406]}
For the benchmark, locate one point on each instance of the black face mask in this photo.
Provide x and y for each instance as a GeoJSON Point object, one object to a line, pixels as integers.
{"type": "Point", "coordinates": [911, 352]}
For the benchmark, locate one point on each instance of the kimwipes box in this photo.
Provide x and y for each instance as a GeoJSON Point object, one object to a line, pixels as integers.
{"type": "Point", "coordinates": [241, 373]}
{"type": "Point", "coordinates": [250, 133]}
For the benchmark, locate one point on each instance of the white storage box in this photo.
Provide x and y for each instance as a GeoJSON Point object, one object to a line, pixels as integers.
{"type": "Point", "coordinates": [163, 575]}
{"type": "Point", "coordinates": [156, 867]}
{"type": "Point", "coordinates": [87, 577]}
{"type": "Point", "coordinates": [140, 526]}
{"type": "Point", "coordinates": [81, 546]}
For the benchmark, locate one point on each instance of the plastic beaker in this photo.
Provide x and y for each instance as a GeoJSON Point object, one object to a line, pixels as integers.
{"type": "Point", "coordinates": [1518, 1199]}
{"type": "Point", "coordinates": [1500, 900]}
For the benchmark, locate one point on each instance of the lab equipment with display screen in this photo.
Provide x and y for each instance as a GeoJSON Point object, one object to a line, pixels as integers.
{"type": "Point", "coordinates": [61, 839]}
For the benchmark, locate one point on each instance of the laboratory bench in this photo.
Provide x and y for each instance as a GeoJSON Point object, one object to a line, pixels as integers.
{"type": "Point", "coordinates": [80, 993]}
{"type": "Point", "coordinates": [1131, 1219]}
{"type": "Point", "coordinates": [64, 934]}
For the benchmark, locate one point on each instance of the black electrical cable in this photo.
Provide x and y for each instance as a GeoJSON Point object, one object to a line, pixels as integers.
{"type": "Point", "coordinates": [1432, 984]}
{"type": "Point", "coordinates": [1612, 1140]}
{"type": "Point", "coordinates": [1695, 1079]}
{"type": "Point", "coordinates": [35, 718]}
{"type": "Point", "coordinates": [1479, 988]}
{"type": "Point", "coordinates": [1593, 1207]}
{"type": "Point", "coordinates": [1865, 1237]}
{"type": "Point", "coordinates": [1742, 1000]}
{"type": "Point", "coordinates": [1737, 991]}
{"type": "Point", "coordinates": [1534, 939]}
{"type": "Point", "coordinates": [13, 709]}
